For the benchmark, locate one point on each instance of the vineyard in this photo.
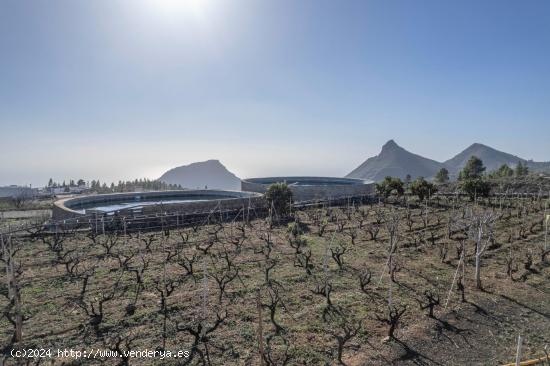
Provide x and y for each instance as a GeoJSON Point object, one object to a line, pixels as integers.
{"type": "Point", "coordinates": [440, 282]}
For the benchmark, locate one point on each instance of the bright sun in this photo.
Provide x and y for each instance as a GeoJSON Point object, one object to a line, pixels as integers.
{"type": "Point", "coordinates": [178, 10]}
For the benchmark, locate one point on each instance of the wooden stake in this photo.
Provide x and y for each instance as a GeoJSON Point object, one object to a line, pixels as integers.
{"type": "Point", "coordinates": [518, 352]}
{"type": "Point", "coordinates": [13, 290]}
{"type": "Point", "coordinates": [260, 327]}
{"type": "Point", "coordinates": [7, 261]}
{"type": "Point", "coordinates": [454, 278]}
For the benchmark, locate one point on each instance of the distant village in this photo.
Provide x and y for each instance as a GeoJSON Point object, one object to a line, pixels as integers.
{"type": "Point", "coordinates": [28, 192]}
{"type": "Point", "coordinates": [80, 186]}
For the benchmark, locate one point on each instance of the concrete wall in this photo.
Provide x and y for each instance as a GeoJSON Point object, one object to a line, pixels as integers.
{"type": "Point", "coordinates": [228, 200]}
{"type": "Point", "coordinates": [318, 188]}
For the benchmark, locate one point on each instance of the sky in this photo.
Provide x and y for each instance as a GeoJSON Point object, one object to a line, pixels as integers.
{"type": "Point", "coordinates": [123, 89]}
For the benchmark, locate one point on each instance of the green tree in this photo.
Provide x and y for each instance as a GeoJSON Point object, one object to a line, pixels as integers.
{"type": "Point", "coordinates": [504, 171]}
{"type": "Point", "coordinates": [473, 169]}
{"type": "Point", "coordinates": [476, 188]}
{"type": "Point", "coordinates": [50, 183]}
{"type": "Point", "coordinates": [390, 185]}
{"type": "Point", "coordinates": [442, 176]}
{"type": "Point", "coordinates": [422, 188]}
{"type": "Point", "coordinates": [80, 183]}
{"type": "Point", "coordinates": [279, 196]}
{"type": "Point", "coordinates": [525, 169]}
{"type": "Point", "coordinates": [521, 169]}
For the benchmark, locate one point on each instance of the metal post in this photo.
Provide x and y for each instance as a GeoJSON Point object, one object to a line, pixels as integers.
{"type": "Point", "coordinates": [205, 292]}
{"type": "Point", "coordinates": [518, 352]}
{"type": "Point", "coordinates": [248, 212]}
{"type": "Point", "coordinates": [546, 219]}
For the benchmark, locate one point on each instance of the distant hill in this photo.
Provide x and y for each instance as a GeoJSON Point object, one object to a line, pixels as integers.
{"type": "Point", "coordinates": [395, 161]}
{"type": "Point", "coordinates": [210, 173]}
{"type": "Point", "coordinates": [492, 159]}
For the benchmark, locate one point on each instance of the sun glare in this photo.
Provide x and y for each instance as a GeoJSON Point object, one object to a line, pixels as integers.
{"type": "Point", "coordinates": [178, 10]}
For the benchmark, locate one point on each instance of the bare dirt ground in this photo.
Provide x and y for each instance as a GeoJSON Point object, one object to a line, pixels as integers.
{"type": "Point", "coordinates": [25, 214]}
{"type": "Point", "coordinates": [327, 282]}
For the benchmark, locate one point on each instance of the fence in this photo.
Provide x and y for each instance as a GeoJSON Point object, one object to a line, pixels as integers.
{"type": "Point", "coordinates": [101, 223]}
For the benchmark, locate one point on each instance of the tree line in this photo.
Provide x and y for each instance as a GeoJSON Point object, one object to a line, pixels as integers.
{"type": "Point", "coordinates": [472, 180]}
{"type": "Point", "coordinates": [121, 186]}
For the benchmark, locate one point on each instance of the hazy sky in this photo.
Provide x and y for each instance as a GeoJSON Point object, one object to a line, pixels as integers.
{"type": "Point", "coordinates": [123, 89]}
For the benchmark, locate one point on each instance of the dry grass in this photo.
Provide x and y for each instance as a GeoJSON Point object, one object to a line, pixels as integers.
{"type": "Point", "coordinates": [480, 331]}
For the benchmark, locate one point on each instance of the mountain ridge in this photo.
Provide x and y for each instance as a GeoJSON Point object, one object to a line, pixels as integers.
{"type": "Point", "coordinates": [393, 160]}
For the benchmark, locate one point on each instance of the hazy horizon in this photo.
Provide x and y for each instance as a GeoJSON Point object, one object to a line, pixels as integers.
{"type": "Point", "coordinates": [118, 90]}
{"type": "Point", "coordinates": [283, 171]}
